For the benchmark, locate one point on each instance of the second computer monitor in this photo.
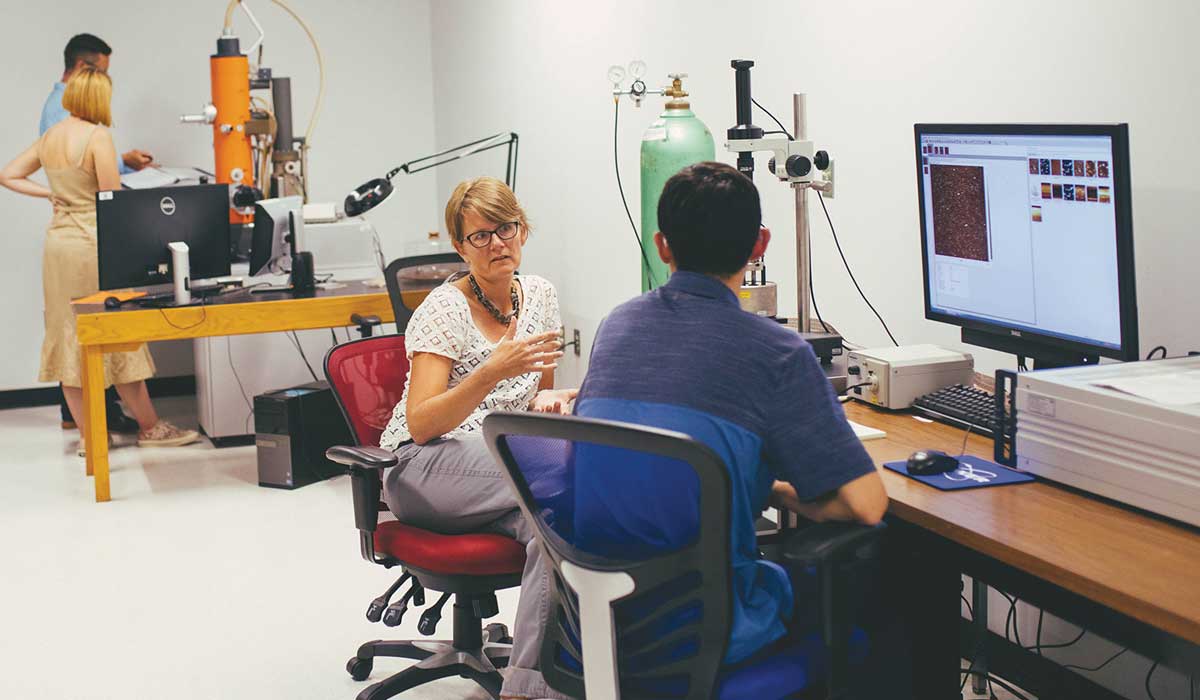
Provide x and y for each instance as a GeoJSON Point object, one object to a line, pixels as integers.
{"type": "Point", "coordinates": [272, 243]}
{"type": "Point", "coordinates": [1027, 237]}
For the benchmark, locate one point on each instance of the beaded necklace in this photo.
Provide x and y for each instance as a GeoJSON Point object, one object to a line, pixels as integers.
{"type": "Point", "coordinates": [504, 319]}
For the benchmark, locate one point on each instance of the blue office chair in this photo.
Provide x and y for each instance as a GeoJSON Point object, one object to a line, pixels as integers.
{"type": "Point", "coordinates": [645, 622]}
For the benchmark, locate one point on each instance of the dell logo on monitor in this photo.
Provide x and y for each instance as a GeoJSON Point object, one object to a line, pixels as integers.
{"type": "Point", "coordinates": [167, 205]}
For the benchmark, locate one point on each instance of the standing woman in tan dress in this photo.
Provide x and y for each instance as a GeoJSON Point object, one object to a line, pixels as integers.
{"type": "Point", "coordinates": [79, 159]}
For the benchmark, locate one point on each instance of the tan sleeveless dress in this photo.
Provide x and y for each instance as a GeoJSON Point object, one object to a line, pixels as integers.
{"type": "Point", "coordinates": [70, 269]}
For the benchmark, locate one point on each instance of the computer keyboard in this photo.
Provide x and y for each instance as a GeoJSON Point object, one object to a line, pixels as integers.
{"type": "Point", "coordinates": [961, 406]}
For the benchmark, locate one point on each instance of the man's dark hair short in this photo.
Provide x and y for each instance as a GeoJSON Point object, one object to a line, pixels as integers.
{"type": "Point", "coordinates": [710, 215]}
{"type": "Point", "coordinates": [85, 47]}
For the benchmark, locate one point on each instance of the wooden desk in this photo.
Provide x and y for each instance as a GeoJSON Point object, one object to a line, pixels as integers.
{"type": "Point", "coordinates": [1144, 569]}
{"type": "Point", "coordinates": [102, 330]}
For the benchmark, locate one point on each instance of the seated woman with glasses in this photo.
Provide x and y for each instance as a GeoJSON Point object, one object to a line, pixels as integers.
{"type": "Point", "coordinates": [482, 341]}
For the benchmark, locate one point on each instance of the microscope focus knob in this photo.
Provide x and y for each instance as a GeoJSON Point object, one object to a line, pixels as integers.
{"type": "Point", "coordinates": [798, 166]}
{"type": "Point", "coordinates": [771, 165]}
{"type": "Point", "coordinates": [821, 160]}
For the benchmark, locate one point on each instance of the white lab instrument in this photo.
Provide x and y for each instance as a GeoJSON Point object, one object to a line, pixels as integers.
{"type": "Point", "coordinates": [893, 377]}
{"type": "Point", "coordinates": [1075, 427]}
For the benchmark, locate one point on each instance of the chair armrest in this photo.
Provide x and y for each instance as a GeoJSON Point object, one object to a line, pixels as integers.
{"type": "Point", "coordinates": [362, 457]}
{"type": "Point", "coordinates": [366, 465]}
{"type": "Point", "coordinates": [821, 543]}
{"type": "Point", "coordinates": [829, 550]}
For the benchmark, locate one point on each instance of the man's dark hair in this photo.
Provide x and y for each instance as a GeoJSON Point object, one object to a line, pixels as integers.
{"type": "Point", "coordinates": [710, 214]}
{"type": "Point", "coordinates": [84, 47]}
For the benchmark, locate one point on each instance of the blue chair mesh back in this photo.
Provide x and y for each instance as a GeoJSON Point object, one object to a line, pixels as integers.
{"type": "Point", "coordinates": [603, 506]}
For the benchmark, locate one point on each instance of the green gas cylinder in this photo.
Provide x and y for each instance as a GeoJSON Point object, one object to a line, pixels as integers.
{"type": "Point", "coordinates": [675, 140]}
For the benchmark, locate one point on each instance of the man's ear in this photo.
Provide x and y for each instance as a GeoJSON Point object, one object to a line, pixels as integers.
{"type": "Point", "coordinates": [664, 250]}
{"type": "Point", "coordinates": [760, 246]}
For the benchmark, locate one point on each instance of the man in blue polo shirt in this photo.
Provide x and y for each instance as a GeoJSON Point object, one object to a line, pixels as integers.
{"type": "Point", "coordinates": [685, 357]}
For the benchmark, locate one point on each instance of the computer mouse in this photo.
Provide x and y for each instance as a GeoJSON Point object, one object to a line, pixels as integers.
{"type": "Point", "coordinates": [112, 303]}
{"type": "Point", "coordinates": [928, 462]}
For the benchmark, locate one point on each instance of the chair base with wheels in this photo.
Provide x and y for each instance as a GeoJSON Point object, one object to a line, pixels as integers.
{"type": "Point", "coordinates": [478, 658]}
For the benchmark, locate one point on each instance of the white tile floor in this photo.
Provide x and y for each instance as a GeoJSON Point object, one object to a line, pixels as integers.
{"type": "Point", "coordinates": [194, 583]}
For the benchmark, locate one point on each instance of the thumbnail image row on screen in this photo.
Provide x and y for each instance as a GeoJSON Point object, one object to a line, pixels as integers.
{"type": "Point", "coordinates": [1077, 193]}
{"type": "Point", "coordinates": [1074, 168]}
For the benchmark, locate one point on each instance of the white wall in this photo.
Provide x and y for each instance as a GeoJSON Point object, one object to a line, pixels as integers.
{"type": "Point", "coordinates": [871, 70]}
{"type": "Point", "coordinates": [377, 112]}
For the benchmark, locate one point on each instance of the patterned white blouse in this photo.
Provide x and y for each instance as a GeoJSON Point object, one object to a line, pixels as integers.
{"type": "Point", "coordinates": [442, 325]}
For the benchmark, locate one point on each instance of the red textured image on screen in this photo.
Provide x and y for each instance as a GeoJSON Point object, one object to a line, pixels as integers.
{"type": "Point", "coordinates": [1093, 194]}
{"type": "Point", "coordinates": [1058, 189]}
{"type": "Point", "coordinates": [1102, 168]}
{"type": "Point", "coordinates": [1079, 168]}
{"type": "Point", "coordinates": [960, 225]}
{"type": "Point", "coordinates": [1056, 167]}
{"type": "Point", "coordinates": [1091, 168]}
{"type": "Point", "coordinates": [1033, 166]}
{"type": "Point", "coordinates": [1045, 190]}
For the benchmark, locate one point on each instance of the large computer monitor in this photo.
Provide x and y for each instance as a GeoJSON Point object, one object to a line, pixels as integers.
{"type": "Point", "coordinates": [1027, 238]}
{"type": "Point", "coordinates": [134, 227]}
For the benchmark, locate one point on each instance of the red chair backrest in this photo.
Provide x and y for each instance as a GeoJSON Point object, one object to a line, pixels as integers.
{"type": "Point", "coordinates": [367, 377]}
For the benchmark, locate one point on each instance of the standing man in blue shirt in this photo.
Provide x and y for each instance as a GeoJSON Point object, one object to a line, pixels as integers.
{"type": "Point", "coordinates": [89, 50]}
{"type": "Point", "coordinates": [86, 50]}
{"type": "Point", "coordinates": [686, 357]}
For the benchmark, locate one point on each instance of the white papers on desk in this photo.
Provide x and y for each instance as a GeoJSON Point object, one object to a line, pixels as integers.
{"type": "Point", "coordinates": [864, 433]}
{"type": "Point", "coordinates": [161, 176]}
{"type": "Point", "coordinates": [148, 178]}
{"type": "Point", "coordinates": [1166, 388]}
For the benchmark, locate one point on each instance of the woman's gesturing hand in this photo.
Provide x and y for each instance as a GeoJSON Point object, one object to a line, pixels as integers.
{"type": "Point", "coordinates": [554, 401]}
{"type": "Point", "coordinates": [512, 358]}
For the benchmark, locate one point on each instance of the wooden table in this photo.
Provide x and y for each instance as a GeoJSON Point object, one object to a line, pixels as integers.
{"type": "Point", "coordinates": [102, 330]}
{"type": "Point", "coordinates": [1133, 577]}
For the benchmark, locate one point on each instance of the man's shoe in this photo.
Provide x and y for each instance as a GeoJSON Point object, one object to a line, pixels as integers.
{"type": "Point", "coordinates": [163, 434]}
{"type": "Point", "coordinates": [122, 424]}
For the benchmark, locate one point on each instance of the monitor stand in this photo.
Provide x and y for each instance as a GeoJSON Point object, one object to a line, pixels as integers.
{"type": "Point", "coordinates": [300, 282]}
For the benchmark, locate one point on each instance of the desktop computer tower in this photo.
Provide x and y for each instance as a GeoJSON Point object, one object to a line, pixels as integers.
{"type": "Point", "coordinates": [293, 428]}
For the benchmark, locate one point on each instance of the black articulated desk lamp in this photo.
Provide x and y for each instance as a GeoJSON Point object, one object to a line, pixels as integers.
{"type": "Point", "coordinates": [372, 193]}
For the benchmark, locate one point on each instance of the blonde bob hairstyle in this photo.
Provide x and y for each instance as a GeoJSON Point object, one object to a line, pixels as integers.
{"type": "Point", "coordinates": [89, 96]}
{"type": "Point", "coordinates": [486, 197]}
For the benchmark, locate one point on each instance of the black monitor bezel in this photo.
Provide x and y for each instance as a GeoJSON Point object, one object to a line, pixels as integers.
{"type": "Point", "coordinates": [1126, 284]}
{"type": "Point", "coordinates": [117, 242]}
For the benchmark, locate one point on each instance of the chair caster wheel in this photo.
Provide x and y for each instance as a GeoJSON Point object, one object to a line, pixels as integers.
{"type": "Point", "coordinates": [497, 633]}
{"type": "Point", "coordinates": [358, 668]}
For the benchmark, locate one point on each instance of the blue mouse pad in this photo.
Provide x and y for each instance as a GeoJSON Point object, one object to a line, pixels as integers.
{"type": "Point", "coordinates": [975, 472]}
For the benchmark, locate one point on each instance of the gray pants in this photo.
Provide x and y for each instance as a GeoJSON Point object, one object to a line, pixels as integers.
{"type": "Point", "coordinates": [454, 486]}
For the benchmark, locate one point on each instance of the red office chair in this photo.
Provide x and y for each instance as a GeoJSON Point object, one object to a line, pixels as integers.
{"type": "Point", "coordinates": [367, 377]}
